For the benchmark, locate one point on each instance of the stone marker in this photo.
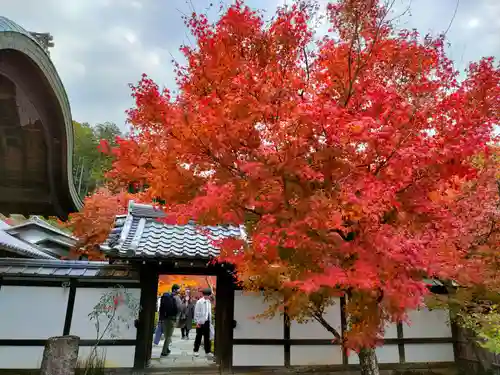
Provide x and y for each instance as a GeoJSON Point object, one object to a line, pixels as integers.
{"type": "Point", "coordinates": [60, 355]}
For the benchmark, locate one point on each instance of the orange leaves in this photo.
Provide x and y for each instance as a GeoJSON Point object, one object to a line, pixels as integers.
{"type": "Point", "coordinates": [193, 283]}
{"type": "Point", "coordinates": [92, 225]}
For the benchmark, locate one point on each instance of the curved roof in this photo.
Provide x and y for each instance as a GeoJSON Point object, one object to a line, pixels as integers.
{"type": "Point", "coordinates": [15, 37]}
{"type": "Point", "coordinates": [8, 25]}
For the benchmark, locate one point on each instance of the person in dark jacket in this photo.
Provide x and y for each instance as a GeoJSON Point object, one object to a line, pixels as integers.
{"type": "Point", "coordinates": [186, 316]}
{"type": "Point", "coordinates": [170, 307]}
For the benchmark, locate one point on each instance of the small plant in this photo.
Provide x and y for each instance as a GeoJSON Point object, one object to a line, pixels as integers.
{"type": "Point", "coordinates": [116, 308]}
{"type": "Point", "coordinates": [119, 307]}
{"type": "Point", "coordinates": [94, 364]}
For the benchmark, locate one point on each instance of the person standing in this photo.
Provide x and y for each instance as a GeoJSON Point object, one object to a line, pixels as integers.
{"type": "Point", "coordinates": [170, 307]}
{"type": "Point", "coordinates": [186, 317]}
{"type": "Point", "coordinates": [203, 319]}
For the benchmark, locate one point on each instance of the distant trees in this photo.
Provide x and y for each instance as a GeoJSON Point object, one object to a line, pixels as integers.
{"type": "Point", "coordinates": [89, 164]}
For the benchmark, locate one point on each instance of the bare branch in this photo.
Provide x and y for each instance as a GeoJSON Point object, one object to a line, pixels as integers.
{"type": "Point", "coordinates": [452, 18]}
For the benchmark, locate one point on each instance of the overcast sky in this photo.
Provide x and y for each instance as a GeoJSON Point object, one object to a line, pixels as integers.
{"type": "Point", "coordinates": [103, 45]}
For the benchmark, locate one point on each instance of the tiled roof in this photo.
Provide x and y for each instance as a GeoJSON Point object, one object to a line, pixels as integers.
{"type": "Point", "coordinates": [18, 246]}
{"type": "Point", "coordinates": [64, 269]}
{"type": "Point", "coordinates": [140, 234]}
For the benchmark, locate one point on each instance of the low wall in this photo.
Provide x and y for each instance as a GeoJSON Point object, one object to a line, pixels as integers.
{"type": "Point", "coordinates": [57, 298]}
{"type": "Point", "coordinates": [31, 314]}
{"type": "Point", "coordinates": [269, 342]}
{"type": "Point", "coordinates": [58, 301]}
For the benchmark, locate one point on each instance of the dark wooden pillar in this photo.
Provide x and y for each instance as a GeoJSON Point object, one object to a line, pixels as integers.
{"type": "Point", "coordinates": [145, 326]}
{"type": "Point", "coordinates": [224, 315]}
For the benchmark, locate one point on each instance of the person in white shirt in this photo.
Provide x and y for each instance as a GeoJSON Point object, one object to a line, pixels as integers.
{"type": "Point", "coordinates": [203, 319]}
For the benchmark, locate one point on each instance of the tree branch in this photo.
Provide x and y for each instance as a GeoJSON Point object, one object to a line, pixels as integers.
{"type": "Point", "coordinates": [318, 316]}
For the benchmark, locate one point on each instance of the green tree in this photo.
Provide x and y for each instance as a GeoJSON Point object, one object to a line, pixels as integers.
{"type": "Point", "coordinates": [90, 165]}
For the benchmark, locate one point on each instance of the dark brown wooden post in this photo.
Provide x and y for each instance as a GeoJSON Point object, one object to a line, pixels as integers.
{"type": "Point", "coordinates": [224, 315]}
{"type": "Point", "coordinates": [343, 324]}
{"type": "Point", "coordinates": [145, 324]}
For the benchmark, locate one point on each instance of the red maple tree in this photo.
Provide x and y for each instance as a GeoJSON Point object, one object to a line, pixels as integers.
{"type": "Point", "coordinates": [351, 160]}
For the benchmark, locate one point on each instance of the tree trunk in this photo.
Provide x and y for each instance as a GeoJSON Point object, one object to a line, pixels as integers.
{"type": "Point", "coordinates": [60, 356]}
{"type": "Point", "coordinates": [368, 362]}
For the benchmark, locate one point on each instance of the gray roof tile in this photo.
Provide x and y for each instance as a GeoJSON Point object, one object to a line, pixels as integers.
{"type": "Point", "coordinates": [64, 269]}
{"type": "Point", "coordinates": [141, 234]}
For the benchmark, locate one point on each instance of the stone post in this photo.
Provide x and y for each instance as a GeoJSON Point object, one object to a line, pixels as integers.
{"type": "Point", "coordinates": [60, 355]}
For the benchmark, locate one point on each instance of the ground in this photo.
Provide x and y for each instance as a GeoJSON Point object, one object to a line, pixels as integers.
{"type": "Point", "coordinates": [181, 355]}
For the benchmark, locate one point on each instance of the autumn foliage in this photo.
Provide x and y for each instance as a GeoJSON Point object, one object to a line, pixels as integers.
{"type": "Point", "coordinates": [351, 160]}
{"type": "Point", "coordinates": [93, 224]}
{"type": "Point", "coordinates": [194, 283]}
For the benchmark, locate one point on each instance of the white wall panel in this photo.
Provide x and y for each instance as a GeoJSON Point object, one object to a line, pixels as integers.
{"type": "Point", "coordinates": [313, 329]}
{"type": "Point", "coordinates": [85, 300]}
{"type": "Point", "coordinates": [429, 353]}
{"type": "Point", "coordinates": [385, 354]}
{"type": "Point", "coordinates": [32, 312]}
{"type": "Point", "coordinates": [315, 355]}
{"type": "Point", "coordinates": [258, 355]}
{"type": "Point", "coordinates": [20, 357]}
{"type": "Point", "coordinates": [426, 323]}
{"type": "Point", "coordinates": [246, 307]}
{"type": "Point", "coordinates": [116, 356]}
{"type": "Point", "coordinates": [391, 331]}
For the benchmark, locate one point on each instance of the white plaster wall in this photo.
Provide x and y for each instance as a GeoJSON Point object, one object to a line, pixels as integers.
{"type": "Point", "coordinates": [258, 355]}
{"type": "Point", "coordinates": [313, 329]}
{"type": "Point", "coordinates": [315, 355]}
{"type": "Point", "coordinates": [31, 312]}
{"type": "Point", "coordinates": [20, 357]}
{"type": "Point", "coordinates": [391, 331]}
{"type": "Point", "coordinates": [385, 354]}
{"type": "Point", "coordinates": [81, 325]}
{"type": "Point", "coordinates": [116, 356]}
{"type": "Point", "coordinates": [429, 353]}
{"type": "Point", "coordinates": [247, 306]}
{"type": "Point", "coordinates": [425, 323]}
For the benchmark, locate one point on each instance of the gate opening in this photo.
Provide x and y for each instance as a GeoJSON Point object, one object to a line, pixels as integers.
{"type": "Point", "coordinates": [184, 322]}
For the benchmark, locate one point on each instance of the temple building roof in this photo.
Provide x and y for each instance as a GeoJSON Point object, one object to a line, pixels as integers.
{"type": "Point", "coordinates": [18, 246]}
{"type": "Point", "coordinates": [142, 234]}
